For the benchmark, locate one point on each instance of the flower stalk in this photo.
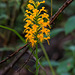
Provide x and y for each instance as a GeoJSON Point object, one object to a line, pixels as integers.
{"type": "Point", "coordinates": [47, 58]}
{"type": "Point", "coordinates": [35, 28]}
{"type": "Point", "coordinates": [36, 55]}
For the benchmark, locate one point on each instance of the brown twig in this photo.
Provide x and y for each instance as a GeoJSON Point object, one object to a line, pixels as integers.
{"type": "Point", "coordinates": [60, 10]}
{"type": "Point", "coordinates": [13, 53]}
{"type": "Point", "coordinates": [25, 63]}
{"type": "Point", "coordinates": [31, 56]}
{"type": "Point", "coordinates": [14, 61]}
{"type": "Point", "coordinates": [38, 62]}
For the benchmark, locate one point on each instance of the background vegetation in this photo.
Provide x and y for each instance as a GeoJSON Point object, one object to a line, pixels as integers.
{"type": "Point", "coordinates": [61, 50]}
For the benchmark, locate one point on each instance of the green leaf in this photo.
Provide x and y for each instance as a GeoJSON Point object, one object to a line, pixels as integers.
{"type": "Point", "coordinates": [53, 63]}
{"type": "Point", "coordinates": [2, 5]}
{"type": "Point", "coordinates": [14, 32]}
{"type": "Point", "coordinates": [54, 32]}
{"type": "Point", "coordinates": [72, 48]}
{"type": "Point", "coordinates": [70, 25]}
{"type": "Point", "coordinates": [7, 49]}
{"type": "Point", "coordinates": [65, 73]}
{"type": "Point", "coordinates": [3, 16]}
{"type": "Point", "coordinates": [65, 66]}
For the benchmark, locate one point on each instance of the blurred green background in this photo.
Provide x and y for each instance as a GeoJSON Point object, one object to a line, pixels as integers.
{"type": "Point", "coordinates": [61, 50]}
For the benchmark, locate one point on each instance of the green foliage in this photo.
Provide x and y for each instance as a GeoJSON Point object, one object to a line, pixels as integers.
{"type": "Point", "coordinates": [2, 5]}
{"type": "Point", "coordinates": [21, 38]}
{"type": "Point", "coordinates": [70, 25]}
{"type": "Point", "coordinates": [58, 4]}
{"type": "Point", "coordinates": [53, 63]}
{"type": "Point", "coordinates": [71, 47]}
{"type": "Point", "coordinates": [3, 16]}
{"type": "Point", "coordinates": [7, 49]}
{"type": "Point", "coordinates": [70, 9]}
{"type": "Point", "coordinates": [55, 4]}
{"type": "Point", "coordinates": [54, 32]}
{"type": "Point", "coordinates": [19, 25]}
{"type": "Point", "coordinates": [65, 66]}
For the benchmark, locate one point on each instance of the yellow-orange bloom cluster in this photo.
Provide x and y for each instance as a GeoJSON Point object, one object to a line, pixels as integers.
{"type": "Point", "coordinates": [36, 23]}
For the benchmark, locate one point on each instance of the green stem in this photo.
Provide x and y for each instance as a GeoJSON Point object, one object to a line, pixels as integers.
{"type": "Point", "coordinates": [74, 56]}
{"type": "Point", "coordinates": [36, 55]}
{"type": "Point", "coordinates": [14, 32]}
{"type": "Point", "coordinates": [46, 56]}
